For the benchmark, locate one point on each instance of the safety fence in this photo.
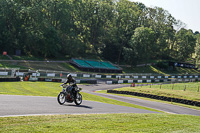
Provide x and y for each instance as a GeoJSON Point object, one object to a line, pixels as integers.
{"type": "Point", "coordinates": [110, 78]}
{"type": "Point", "coordinates": [61, 74]}
{"type": "Point", "coordinates": [63, 80]}
{"type": "Point", "coordinates": [80, 75]}
{"type": "Point", "coordinates": [152, 81]}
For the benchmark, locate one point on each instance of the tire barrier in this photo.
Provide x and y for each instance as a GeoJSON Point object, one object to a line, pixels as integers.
{"type": "Point", "coordinates": [164, 98]}
{"type": "Point", "coordinates": [10, 79]}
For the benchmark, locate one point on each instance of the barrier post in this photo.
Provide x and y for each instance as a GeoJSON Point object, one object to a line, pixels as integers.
{"type": "Point", "coordinates": [133, 84]}
{"type": "Point", "coordinates": [4, 53]}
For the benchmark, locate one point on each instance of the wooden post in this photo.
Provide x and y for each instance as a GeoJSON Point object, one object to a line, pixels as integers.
{"type": "Point", "coordinates": [198, 89]}
{"type": "Point", "coordinates": [171, 98]}
{"type": "Point", "coordinates": [160, 86]}
{"type": "Point", "coordinates": [185, 88]}
{"type": "Point", "coordinates": [172, 86]}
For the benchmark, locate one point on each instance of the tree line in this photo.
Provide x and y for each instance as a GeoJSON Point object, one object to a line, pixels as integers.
{"type": "Point", "coordinates": [117, 30]}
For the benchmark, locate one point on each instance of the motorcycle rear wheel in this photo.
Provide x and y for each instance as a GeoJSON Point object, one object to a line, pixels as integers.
{"type": "Point", "coordinates": [78, 99]}
{"type": "Point", "coordinates": [61, 98]}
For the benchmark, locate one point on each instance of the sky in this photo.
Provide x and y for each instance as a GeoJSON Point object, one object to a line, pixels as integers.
{"type": "Point", "coordinates": [188, 11]}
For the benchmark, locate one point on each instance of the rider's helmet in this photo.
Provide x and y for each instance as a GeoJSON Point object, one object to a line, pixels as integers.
{"type": "Point", "coordinates": [69, 76]}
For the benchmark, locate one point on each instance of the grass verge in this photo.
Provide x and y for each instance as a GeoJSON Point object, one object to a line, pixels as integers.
{"type": "Point", "coordinates": [156, 70]}
{"type": "Point", "coordinates": [150, 99]}
{"type": "Point", "coordinates": [112, 123]}
{"type": "Point", "coordinates": [96, 98]}
{"type": "Point", "coordinates": [191, 92]}
{"type": "Point", "coordinates": [165, 90]}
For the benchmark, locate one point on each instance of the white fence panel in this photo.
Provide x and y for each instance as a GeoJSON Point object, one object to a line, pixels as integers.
{"type": "Point", "coordinates": [3, 73]}
{"type": "Point", "coordinates": [51, 74]}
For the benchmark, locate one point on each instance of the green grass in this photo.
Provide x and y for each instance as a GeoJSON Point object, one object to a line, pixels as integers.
{"type": "Point", "coordinates": [39, 65]}
{"type": "Point", "coordinates": [67, 67]}
{"type": "Point", "coordinates": [30, 88]}
{"type": "Point", "coordinates": [142, 69]}
{"type": "Point", "coordinates": [11, 65]}
{"type": "Point", "coordinates": [166, 90]}
{"type": "Point", "coordinates": [90, 97]}
{"type": "Point", "coordinates": [191, 87]}
{"type": "Point", "coordinates": [26, 58]}
{"type": "Point", "coordinates": [154, 123]}
{"type": "Point", "coordinates": [53, 89]}
{"type": "Point", "coordinates": [150, 99]}
{"type": "Point", "coordinates": [70, 67]}
{"type": "Point", "coordinates": [156, 70]}
{"type": "Point", "coordinates": [103, 123]}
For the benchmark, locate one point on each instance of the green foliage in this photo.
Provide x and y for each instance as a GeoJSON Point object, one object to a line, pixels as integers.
{"type": "Point", "coordinates": [119, 31]}
{"type": "Point", "coordinates": [4, 57]}
{"type": "Point", "coordinates": [141, 45]}
{"type": "Point", "coordinates": [186, 43]}
{"type": "Point", "coordinates": [162, 65]}
{"type": "Point", "coordinates": [197, 49]}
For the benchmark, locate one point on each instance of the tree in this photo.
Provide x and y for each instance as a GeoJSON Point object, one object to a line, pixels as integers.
{"type": "Point", "coordinates": [162, 23]}
{"type": "Point", "coordinates": [126, 20]}
{"type": "Point", "coordinates": [141, 46]}
{"type": "Point", "coordinates": [197, 48]}
{"type": "Point", "coordinates": [105, 28]}
{"type": "Point", "coordinates": [185, 44]}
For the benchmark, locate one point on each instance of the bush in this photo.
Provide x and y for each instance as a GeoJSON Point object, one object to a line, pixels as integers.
{"type": "Point", "coordinates": [162, 65]}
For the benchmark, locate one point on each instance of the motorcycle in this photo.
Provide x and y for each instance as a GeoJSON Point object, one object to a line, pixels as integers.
{"type": "Point", "coordinates": [67, 95]}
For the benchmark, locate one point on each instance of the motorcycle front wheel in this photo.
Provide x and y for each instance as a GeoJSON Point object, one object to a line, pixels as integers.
{"type": "Point", "coordinates": [61, 98]}
{"type": "Point", "coordinates": [78, 99]}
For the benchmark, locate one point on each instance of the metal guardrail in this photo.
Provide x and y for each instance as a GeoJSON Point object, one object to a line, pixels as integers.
{"type": "Point", "coordinates": [63, 74]}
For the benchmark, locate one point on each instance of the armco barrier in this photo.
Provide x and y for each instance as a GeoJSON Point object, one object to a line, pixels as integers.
{"type": "Point", "coordinates": [49, 80]}
{"type": "Point", "coordinates": [3, 73]}
{"type": "Point", "coordinates": [63, 80]}
{"type": "Point", "coordinates": [170, 99]}
{"type": "Point", "coordinates": [86, 81]}
{"type": "Point", "coordinates": [122, 76]}
{"type": "Point", "coordinates": [92, 81]}
{"type": "Point", "coordinates": [151, 81]}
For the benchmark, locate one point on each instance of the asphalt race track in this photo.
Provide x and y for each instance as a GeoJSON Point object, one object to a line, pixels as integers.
{"type": "Point", "coordinates": [168, 108]}
{"type": "Point", "coordinates": [13, 105]}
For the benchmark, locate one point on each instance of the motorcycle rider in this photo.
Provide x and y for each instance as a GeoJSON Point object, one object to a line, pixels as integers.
{"type": "Point", "coordinates": [71, 82]}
